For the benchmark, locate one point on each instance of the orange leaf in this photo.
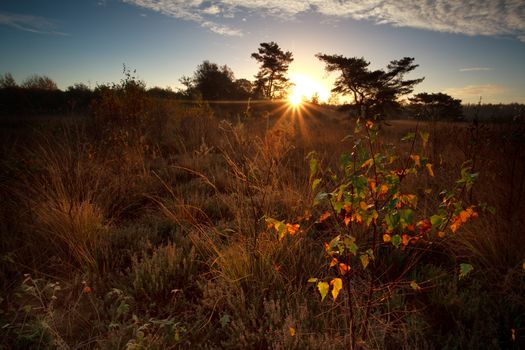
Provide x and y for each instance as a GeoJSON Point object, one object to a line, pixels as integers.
{"type": "Point", "coordinates": [404, 239]}
{"type": "Point", "coordinates": [387, 238]}
{"type": "Point", "coordinates": [416, 159]}
{"type": "Point", "coordinates": [429, 168]}
{"type": "Point", "coordinates": [383, 189]}
{"type": "Point", "coordinates": [363, 205]}
{"type": "Point", "coordinates": [347, 220]}
{"type": "Point", "coordinates": [324, 216]}
{"type": "Point", "coordinates": [372, 184]}
{"type": "Point", "coordinates": [343, 268]}
{"type": "Point", "coordinates": [292, 229]}
{"type": "Point", "coordinates": [333, 262]}
{"type": "Point", "coordinates": [292, 331]}
{"type": "Point", "coordinates": [441, 234]}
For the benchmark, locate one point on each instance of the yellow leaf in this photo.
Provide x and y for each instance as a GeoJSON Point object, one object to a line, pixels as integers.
{"type": "Point", "coordinates": [429, 168]}
{"type": "Point", "coordinates": [367, 163]}
{"type": "Point", "coordinates": [369, 124]}
{"type": "Point", "coordinates": [337, 284]}
{"type": "Point", "coordinates": [416, 159]}
{"type": "Point", "coordinates": [387, 238]}
{"type": "Point", "coordinates": [292, 331]}
{"type": "Point", "coordinates": [364, 260]}
{"type": "Point", "coordinates": [414, 285]}
{"type": "Point", "coordinates": [323, 289]}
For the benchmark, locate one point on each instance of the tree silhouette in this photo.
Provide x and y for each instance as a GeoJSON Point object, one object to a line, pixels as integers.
{"type": "Point", "coordinates": [374, 92]}
{"type": "Point", "coordinates": [212, 81]}
{"type": "Point", "coordinates": [7, 81]}
{"type": "Point", "coordinates": [436, 106]}
{"type": "Point", "coordinates": [271, 80]}
{"type": "Point", "coordinates": [38, 82]}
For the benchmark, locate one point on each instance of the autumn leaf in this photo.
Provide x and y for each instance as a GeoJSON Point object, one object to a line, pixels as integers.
{"type": "Point", "coordinates": [324, 216]}
{"type": "Point", "coordinates": [363, 205]}
{"type": "Point", "coordinates": [347, 220]}
{"type": "Point", "coordinates": [343, 268]}
{"type": "Point", "coordinates": [334, 262]}
{"type": "Point", "coordinates": [415, 286]}
{"type": "Point", "coordinates": [386, 238]}
{"type": "Point", "coordinates": [292, 229]}
{"type": "Point", "coordinates": [383, 189]}
{"type": "Point", "coordinates": [372, 184]}
{"type": "Point", "coordinates": [429, 169]}
{"type": "Point", "coordinates": [367, 163]}
{"type": "Point", "coordinates": [369, 124]}
{"type": "Point", "coordinates": [337, 284]}
{"type": "Point", "coordinates": [416, 159]}
{"type": "Point", "coordinates": [364, 260]}
{"type": "Point", "coordinates": [323, 289]}
{"type": "Point", "coordinates": [292, 331]}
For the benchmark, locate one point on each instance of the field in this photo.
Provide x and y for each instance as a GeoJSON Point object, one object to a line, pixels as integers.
{"type": "Point", "coordinates": [152, 224]}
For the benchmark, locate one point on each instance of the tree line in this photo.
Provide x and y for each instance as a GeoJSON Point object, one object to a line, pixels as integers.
{"type": "Point", "coordinates": [372, 93]}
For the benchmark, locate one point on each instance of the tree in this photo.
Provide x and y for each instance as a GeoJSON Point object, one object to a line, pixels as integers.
{"type": "Point", "coordinates": [214, 82]}
{"type": "Point", "coordinates": [38, 82]}
{"type": "Point", "coordinates": [7, 81]}
{"type": "Point", "coordinates": [271, 80]}
{"type": "Point", "coordinates": [436, 106]}
{"type": "Point", "coordinates": [374, 92]}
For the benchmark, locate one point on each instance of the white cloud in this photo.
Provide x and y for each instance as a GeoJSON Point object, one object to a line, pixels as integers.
{"type": "Point", "coordinates": [470, 17]}
{"type": "Point", "coordinates": [484, 90]}
{"type": "Point", "coordinates": [475, 69]}
{"type": "Point", "coordinates": [28, 23]}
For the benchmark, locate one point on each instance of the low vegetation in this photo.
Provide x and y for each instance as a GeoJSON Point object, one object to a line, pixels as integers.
{"type": "Point", "coordinates": [151, 223]}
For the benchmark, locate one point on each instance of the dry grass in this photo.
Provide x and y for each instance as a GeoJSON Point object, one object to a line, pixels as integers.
{"type": "Point", "coordinates": [167, 230]}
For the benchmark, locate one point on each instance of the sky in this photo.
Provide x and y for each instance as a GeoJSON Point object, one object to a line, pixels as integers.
{"type": "Point", "coordinates": [468, 49]}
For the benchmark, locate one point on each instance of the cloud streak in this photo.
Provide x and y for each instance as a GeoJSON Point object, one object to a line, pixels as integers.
{"type": "Point", "coordinates": [475, 69]}
{"type": "Point", "coordinates": [476, 90]}
{"type": "Point", "coordinates": [470, 17]}
{"type": "Point", "coordinates": [29, 23]}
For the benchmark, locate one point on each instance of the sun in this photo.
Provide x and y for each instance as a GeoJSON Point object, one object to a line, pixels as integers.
{"type": "Point", "coordinates": [305, 88]}
{"type": "Point", "coordinates": [295, 99]}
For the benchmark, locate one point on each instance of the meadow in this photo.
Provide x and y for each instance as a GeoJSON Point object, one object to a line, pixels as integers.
{"type": "Point", "coordinates": [158, 224]}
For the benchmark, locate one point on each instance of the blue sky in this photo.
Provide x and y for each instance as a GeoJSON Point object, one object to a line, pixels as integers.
{"type": "Point", "coordinates": [465, 48]}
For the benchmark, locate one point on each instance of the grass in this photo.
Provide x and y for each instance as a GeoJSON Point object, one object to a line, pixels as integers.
{"type": "Point", "coordinates": [150, 234]}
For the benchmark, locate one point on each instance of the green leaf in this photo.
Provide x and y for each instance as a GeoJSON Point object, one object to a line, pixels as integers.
{"type": "Point", "coordinates": [464, 270]}
{"type": "Point", "coordinates": [436, 220]}
{"type": "Point", "coordinates": [225, 319]}
{"type": "Point", "coordinates": [409, 137]}
{"type": "Point", "coordinates": [323, 289]}
{"type": "Point", "coordinates": [396, 240]}
{"type": "Point", "coordinates": [313, 166]}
